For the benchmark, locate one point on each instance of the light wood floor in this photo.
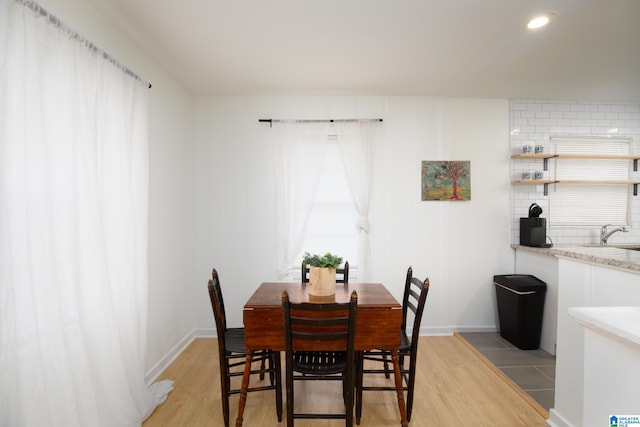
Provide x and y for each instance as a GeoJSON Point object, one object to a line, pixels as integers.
{"type": "Point", "coordinates": [455, 387]}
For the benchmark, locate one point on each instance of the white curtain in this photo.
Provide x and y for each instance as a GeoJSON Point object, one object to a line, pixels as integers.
{"type": "Point", "coordinates": [73, 227]}
{"type": "Point", "coordinates": [357, 144]}
{"type": "Point", "coordinates": [301, 146]}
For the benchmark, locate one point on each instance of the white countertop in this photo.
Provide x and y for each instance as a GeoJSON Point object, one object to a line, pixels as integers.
{"type": "Point", "coordinates": [619, 322]}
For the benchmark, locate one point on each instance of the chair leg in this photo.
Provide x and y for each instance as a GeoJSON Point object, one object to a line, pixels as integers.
{"type": "Point", "coordinates": [358, 385]}
{"type": "Point", "coordinates": [246, 379]}
{"type": "Point", "coordinates": [224, 389]}
{"type": "Point", "coordinates": [278, 381]}
{"type": "Point", "coordinates": [263, 353]}
{"type": "Point", "coordinates": [399, 389]}
{"type": "Point", "coordinates": [289, 388]}
{"type": "Point", "coordinates": [411, 385]}
{"type": "Point", "coordinates": [345, 384]}
{"type": "Point", "coordinates": [387, 372]}
{"type": "Point", "coordinates": [271, 356]}
{"type": "Point", "coordinates": [350, 384]}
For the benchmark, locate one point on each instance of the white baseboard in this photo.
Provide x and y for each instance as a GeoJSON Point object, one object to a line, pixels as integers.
{"type": "Point", "coordinates": [476, 329]}
{"type": "Point", "coordinates": [436, 331]}
{"type": "Point", "coordinates": [556, 420]}
{"type": "Point", "coordinates": [155, 371]}
{"type": "Point", "coordinates": [204, 333]}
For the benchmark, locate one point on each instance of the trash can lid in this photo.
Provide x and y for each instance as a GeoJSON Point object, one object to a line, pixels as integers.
{"type": "Point", "coordinates": [520, 282]}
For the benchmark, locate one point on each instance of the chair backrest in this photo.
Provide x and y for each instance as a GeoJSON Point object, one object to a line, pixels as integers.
{"type": "Point", "coordinates": [319, 326]}
{"type": "Point", "coordinates": [415, 297]}
{"type": "Point", "coordinates": [217, 303]}
{"type": "Point", "coordinates": [342, 273]}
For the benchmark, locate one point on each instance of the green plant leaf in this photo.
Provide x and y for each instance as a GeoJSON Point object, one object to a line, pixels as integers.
{"type": "Point", "coordinates": [327, 260]}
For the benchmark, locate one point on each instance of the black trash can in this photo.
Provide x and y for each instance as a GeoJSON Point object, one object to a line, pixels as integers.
{"type": "Point", "coordinates": [520, 306]}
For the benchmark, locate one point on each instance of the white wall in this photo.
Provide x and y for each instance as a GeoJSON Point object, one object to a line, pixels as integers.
{"type": "Point", "coordinates": [212, 195]}
{"type": "Point", "coordinates": [459, 245]}
{"type": "Point", "coordinates": [171, 316]}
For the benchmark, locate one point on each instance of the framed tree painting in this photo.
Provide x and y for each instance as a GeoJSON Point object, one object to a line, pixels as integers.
{"type": "Point", "coordinates": [446, 180]}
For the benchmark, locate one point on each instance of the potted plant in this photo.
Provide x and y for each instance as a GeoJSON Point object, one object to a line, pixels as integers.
{"type": "Point", "coordinates": [322, 273]}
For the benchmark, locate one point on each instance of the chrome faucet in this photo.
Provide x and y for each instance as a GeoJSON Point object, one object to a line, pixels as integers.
{"type": "Point", "coordinates": [604, 234]}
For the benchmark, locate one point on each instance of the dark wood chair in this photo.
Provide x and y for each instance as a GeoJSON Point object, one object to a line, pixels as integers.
{"type": "Point", "coordinates": [319, 342]}
{"type": "Point", "coordinates": [415, 296]}
{"type": "Point", "coordinates": [232, 353]}
{"type": "Point", "coordinates": [342, 273]}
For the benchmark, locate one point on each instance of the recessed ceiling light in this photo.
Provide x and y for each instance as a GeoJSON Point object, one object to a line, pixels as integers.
{"type": "Point", "coordinates": [541, 20]}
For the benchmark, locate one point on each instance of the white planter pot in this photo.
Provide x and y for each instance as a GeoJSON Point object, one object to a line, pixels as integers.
{"type": "Point", "coordinates": [322, 281]}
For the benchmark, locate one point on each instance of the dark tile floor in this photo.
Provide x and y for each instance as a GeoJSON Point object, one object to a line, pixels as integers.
{"type": "Point", "coordinates": [533, 370]}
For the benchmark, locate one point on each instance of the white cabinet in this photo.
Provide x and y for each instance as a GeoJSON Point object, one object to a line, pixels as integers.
{"type": "Point", "coordinates": [611, 360]}
{"type": "Point", "coordinates": [582, 284]}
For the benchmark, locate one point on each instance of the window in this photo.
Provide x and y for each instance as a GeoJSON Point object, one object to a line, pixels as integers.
{"type": "Point", "coordinates": [592, 189]}
{"type": "Point", "coordinates": [332, 221]}
{"type": "Point", "coordinates": [322, 205]}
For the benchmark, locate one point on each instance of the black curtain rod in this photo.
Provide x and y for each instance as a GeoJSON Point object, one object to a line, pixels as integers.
{"type": "Point", "coordinates": [272, 121]}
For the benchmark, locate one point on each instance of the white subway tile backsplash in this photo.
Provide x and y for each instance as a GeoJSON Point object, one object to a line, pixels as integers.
{"type": "Point", "coordinates": [536, 120]}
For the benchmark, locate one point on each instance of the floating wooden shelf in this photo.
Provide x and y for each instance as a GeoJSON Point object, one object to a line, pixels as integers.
{"type": "Point", "coordinates": [533, 156]}
{"type": "Point", "coordinates": [576, 156]}
{"type": "Point", "coordinates": [598, 156]}
{"type": "Point", "coordinates": [546, 183]}
{"type": "Point", "coordinates": [574, 181]}
{"type": "Point", "coordinates": [534, 181]}
{"type": "Point", "coordinates": [598, 181]}
{"type": "Point", "coordinates": [546, 156]}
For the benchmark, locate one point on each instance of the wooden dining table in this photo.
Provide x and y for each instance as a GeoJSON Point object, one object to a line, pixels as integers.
{"type": "Point", "coordinates": [378, 324]}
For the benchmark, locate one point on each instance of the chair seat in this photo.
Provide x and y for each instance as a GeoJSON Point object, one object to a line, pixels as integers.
{"type": "Point", "coordinates": [234, 338]}
{"type": "Point", "coordinates": [405, 344]}
{"type": "Point", "coordinates": [404, 347]}
{"type": "Point", "coordinates": [319, 362]}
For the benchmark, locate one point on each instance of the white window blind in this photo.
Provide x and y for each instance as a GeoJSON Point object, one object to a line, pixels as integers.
{"type": "Point", "coordinates": [585, 198]}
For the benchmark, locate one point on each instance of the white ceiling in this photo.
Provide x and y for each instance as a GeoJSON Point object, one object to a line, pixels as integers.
{"type": "Point", "coordinates": [449, 48]}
